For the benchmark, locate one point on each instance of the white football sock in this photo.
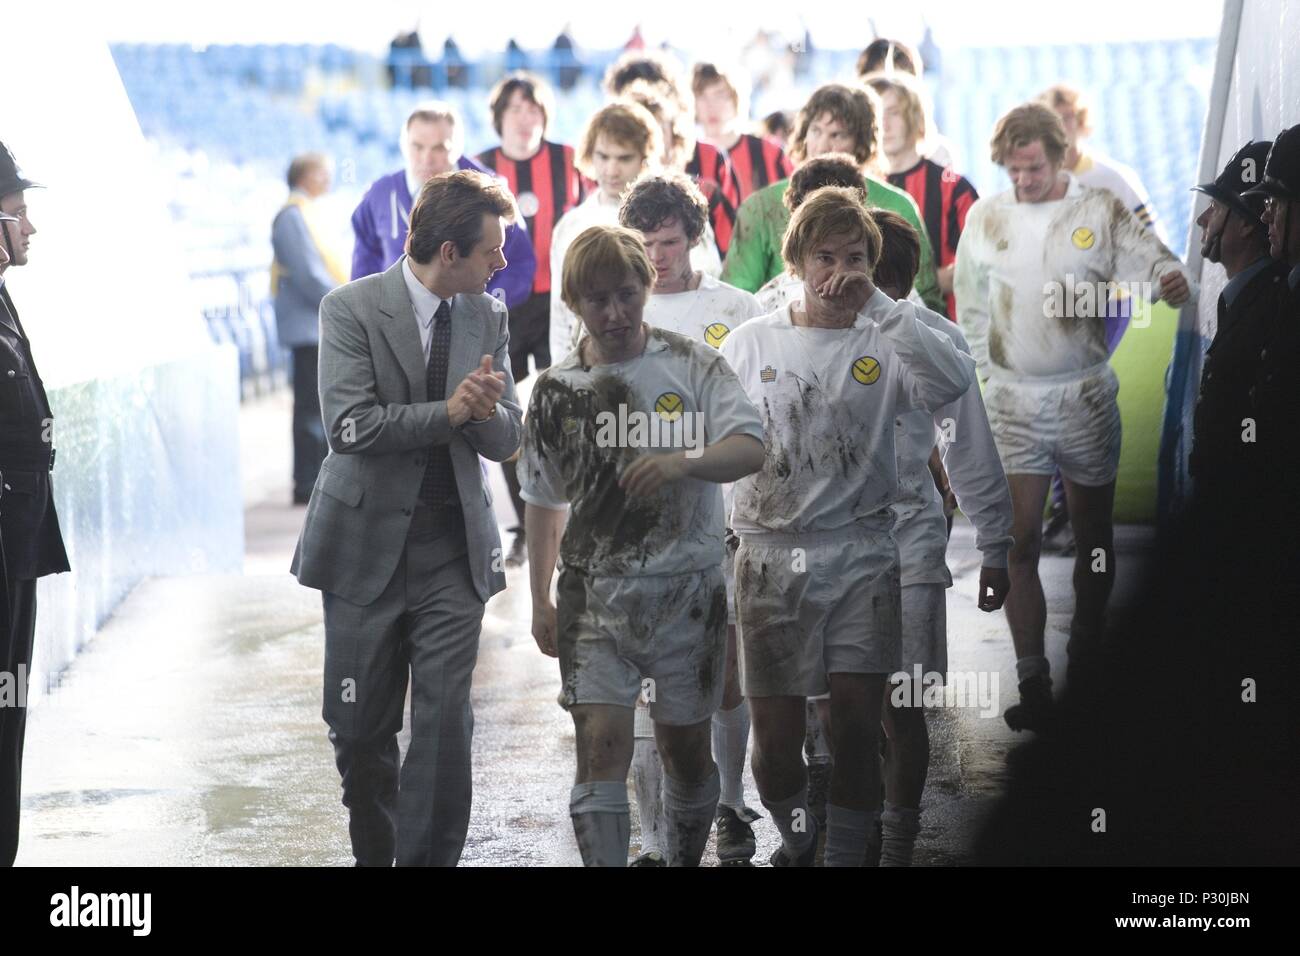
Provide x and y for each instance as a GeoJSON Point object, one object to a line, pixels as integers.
{"type": "Point", "coordinates": [899, 827]}
{"type": "Point", "coordinates": [648, 785]}
{"type": "Point", "coordinates": [792, 818]}
{"type": "Point", "coordinates": [846, 835]}
{"type": "Point", "coordinates": [730, 743]}
{"type": "Point", "coordinates": [601, 822]}
{"type": "Point", "coordinates": [689, 810]}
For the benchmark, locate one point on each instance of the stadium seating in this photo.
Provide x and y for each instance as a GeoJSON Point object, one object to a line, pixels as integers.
{"type": "Point", "coordinates": [226, 119]}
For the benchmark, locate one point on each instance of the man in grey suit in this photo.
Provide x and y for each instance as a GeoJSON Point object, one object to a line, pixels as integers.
{"type": "Point", "coordinates": [400, 534]}
{"type": "Point", "coordinates": [303, 273]}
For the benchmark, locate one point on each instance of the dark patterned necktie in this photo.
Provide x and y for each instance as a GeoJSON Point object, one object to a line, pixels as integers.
{"type": "Point", "coordinates": [439, 485]}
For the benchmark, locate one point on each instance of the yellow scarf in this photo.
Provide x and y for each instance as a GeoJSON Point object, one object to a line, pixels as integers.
{"type": "Point", "coordinates": [307, 208]}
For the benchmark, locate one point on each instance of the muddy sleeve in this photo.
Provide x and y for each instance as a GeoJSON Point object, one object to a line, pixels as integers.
{"type": "Point", "coordinates": [727, 409]}
{"type": "Point", "coordinates": [540, 481]}
{"type": "Point", "coordinates": [971, 289]}
{"type": "Point", "coordinates": [933, 371]}
{"type": "Point", "coordinates": [1140, 256]}
{"type": "Point", "coordinates": [976, 475]}
{"type": "Point", "coordinates": [749, 256]}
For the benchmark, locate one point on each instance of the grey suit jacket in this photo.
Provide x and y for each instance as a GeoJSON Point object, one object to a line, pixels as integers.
{"type": "Point", "coordinates": [305, 282]}
{"type": "Point", "coordinates": [381, 424]}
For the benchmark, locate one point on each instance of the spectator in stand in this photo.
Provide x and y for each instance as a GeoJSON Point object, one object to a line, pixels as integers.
{"type": "Point", "coordinates": [564, 63]}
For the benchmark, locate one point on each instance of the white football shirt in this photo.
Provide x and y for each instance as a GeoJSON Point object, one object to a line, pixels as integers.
{"type": "Point", "coordinates": [828, 400]}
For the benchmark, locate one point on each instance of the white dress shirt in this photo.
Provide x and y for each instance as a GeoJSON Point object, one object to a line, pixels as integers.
{"type": "Point", "coordinates": [424, 303]}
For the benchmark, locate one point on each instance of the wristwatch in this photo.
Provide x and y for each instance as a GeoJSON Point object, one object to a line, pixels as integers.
{"type": "Point", "coordinates": [479, 421]}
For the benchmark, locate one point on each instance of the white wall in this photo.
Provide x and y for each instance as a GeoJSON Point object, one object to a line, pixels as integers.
{"type": "Point", "coordinates": [146, 406]}
{"type": "Point", "coordinates": [1256, 95]}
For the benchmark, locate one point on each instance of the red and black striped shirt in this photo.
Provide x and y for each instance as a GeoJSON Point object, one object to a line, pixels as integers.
{"type": "Point", "coordinates": [545, 188]}
{"type": "Point", "coordinates": [712, 173]}
{"type": "Point", "coordinates": [757, 162]}
{"type": "Point", "coordinates": [944, 197]}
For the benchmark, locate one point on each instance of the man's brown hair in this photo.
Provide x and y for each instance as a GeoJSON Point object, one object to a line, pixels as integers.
{"type": "Point", "coordinates": [829, 211]}
{"type": "Point", "coordinates": [1024, 125]}
{"type": "Point", "coordinates": [624, 122]}
{"type": "Point", "coordinates": [660, 103]}
{"type": "Point", "coordinates": [603, 252]}
{"type": "Point", "coordinates": [857, 108]}
{"type": "Point", "coordinates": [889, 56]}
{"type": "Point", "coordinates": [432, 111]}
{"type": "Point", "coordinates": [900, 252]}
{"type": "Point", "coordinates": [651, 66]}
{"type": "Point", "coordinates": [302, 164]}
{"type": "Point", "coordinates": [450, 208]}
{"type": "Point", "coordinates": [911, 98]}
{"type": "Point", "coordinates": [833, 169]}
{"type": "Point", "coordinates": [659, 198]}
{"type": "Point", "coordinates": [1063, 94]}
{"type": "Point", "coordinates": [704, 75]}
{"type": "Point", "coordinates": [534, 90]}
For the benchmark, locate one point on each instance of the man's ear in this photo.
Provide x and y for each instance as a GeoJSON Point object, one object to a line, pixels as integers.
{"type": "Point", "coordinates": [447, 253]}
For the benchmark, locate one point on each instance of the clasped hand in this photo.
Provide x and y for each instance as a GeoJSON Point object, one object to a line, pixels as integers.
{"type": "Point", "coordinates": [477, 394]}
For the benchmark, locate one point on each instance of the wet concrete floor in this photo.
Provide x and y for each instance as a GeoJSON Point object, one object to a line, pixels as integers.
{"type": "Point", "coordinates": [188, 732]}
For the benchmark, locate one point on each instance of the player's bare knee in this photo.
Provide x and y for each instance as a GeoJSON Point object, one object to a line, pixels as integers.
{"type": "Point", "coordinates": [687, 752]}
{"type": "Point", "coordinates": [1025, 553]}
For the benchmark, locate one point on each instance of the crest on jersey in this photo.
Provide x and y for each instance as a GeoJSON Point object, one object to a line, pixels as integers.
{"type": "Point", "coordinates": [669, 406]}
{"type": "Point", "coordinates": [716, 334]}
{"type": "Point", "coordinates": [1083, 238]}
{"type": "Point", "coordinates": [528, 204]}
{"type": "Point", "coordinates": [767, 374]}
{"type": "Point", "coordinates": [866, 370]}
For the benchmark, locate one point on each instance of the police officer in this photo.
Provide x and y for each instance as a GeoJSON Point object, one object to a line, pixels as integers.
{"type": "Point", "coordinates": [1277, 386]}
{"type": "Point", "coordinates": [29, 527]}
{"type": "Point", "coordinates": [1224, 460]}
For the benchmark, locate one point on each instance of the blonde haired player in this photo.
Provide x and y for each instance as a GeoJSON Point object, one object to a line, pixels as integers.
{"type": "Point", "coordinates": [640, 596]}
{"type": "Point", "coordinates": [620, 142]}
{"type": "Point", "coordinates": [1025, 264]}
{"type": "Point", "coordinates": [817, 570]}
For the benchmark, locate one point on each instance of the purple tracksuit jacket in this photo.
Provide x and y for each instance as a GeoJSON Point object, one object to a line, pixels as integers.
{"type": "Point", "coordinates": [380, 221]}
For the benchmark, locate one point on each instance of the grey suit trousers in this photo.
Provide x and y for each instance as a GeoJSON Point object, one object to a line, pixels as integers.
{"type": "Point", "coordinates": [424, 627]}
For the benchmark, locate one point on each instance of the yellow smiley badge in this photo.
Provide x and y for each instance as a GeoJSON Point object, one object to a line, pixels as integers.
{"type": "Point", "coordinates": [716, 334]}
{"type": "Point", "coordinates": [669, 406]}
{"type": "Point", "coordinates": [866, 370]}
{"type": "Point", "coordinates": [1083, 238]}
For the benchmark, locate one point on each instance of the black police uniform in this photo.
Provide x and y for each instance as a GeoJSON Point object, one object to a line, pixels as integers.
{"type": "Point", "coordinates": [31, 542]}
{"type": "Point", "coordinates": [1227, 468]}
{"type": "Point", "coordinates": [1277, 380]}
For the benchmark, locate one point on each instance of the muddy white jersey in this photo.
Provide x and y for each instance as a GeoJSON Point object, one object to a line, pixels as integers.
{"type": "Point", "coordinates": [586, 424]}
{"type": "Point", "coordinates": [595, 210]}
{"type": "Point", "coordinates": [1025, 270]}
{"type": "Point", "coordinates": [1103, 172]}
{"type": "Point", "coordinates": [708, 313]}
{"type": "Point", "coordinates": [828, 399]}
{"type": "Point", "coordinates": [974, 471]}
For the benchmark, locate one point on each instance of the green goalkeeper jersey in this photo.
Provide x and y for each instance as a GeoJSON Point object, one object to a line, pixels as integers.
{"type": "Point", "coordinates": [755, 253]}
